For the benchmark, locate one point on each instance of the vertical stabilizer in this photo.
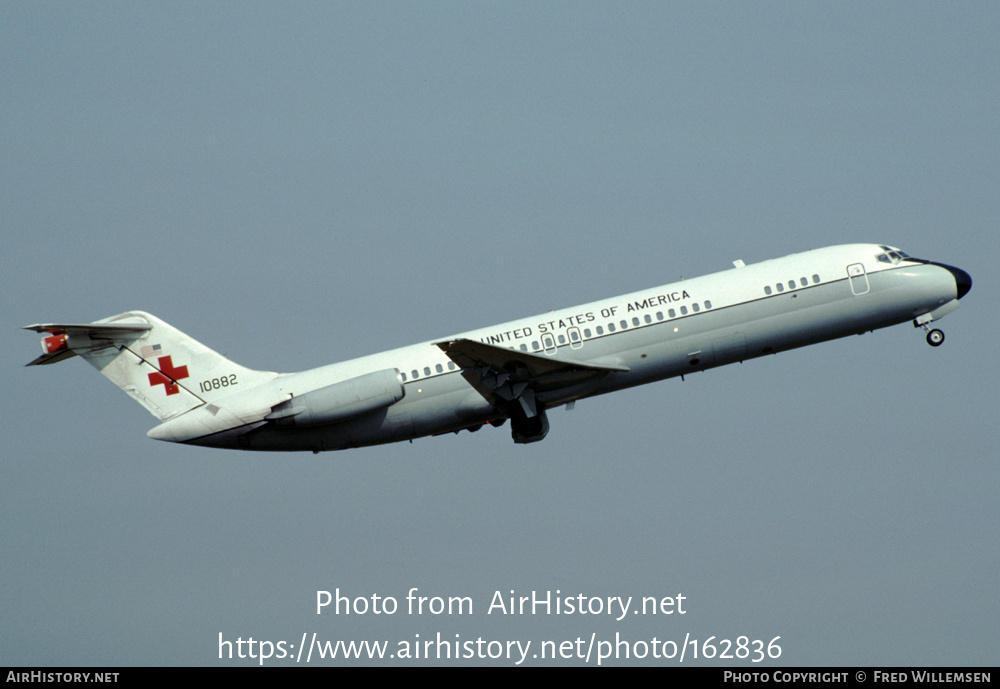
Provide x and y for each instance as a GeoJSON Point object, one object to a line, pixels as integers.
{"type": "Point", "coordinates": [163, 369]}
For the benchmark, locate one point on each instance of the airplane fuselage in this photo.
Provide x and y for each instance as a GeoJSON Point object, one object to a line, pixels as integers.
{"type": "Point", "coordinates": [519, 369]}
{"type": "Point", "coordinates": [659, 333]}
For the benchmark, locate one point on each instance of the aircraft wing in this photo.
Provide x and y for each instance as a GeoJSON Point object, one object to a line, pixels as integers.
{"type": "Point", "coordinates": [508, 372]}
{"type": "Point", "coordinates": [467, 353]}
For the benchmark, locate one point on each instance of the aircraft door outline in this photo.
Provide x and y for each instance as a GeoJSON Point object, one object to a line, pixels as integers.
{"type": "Point", "coordinates": [549, 343]}
{"type": "Point", "coordinates": [575, 338]}
{"type": "Point", "coordinates": [858, 278]}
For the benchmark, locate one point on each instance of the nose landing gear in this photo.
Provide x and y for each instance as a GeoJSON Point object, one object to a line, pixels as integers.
{"type": "Point", "coordinates": [935, 338]}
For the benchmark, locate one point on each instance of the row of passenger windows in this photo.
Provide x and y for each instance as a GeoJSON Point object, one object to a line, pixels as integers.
{"type": "Point", "coordinates": [573, 336]}
{"type": "Point", "coordinates": [414, 374]}
{"type": "Point", "coordinates": [624, 324]}
{"type": "Point", "coordinates": [780, 287]}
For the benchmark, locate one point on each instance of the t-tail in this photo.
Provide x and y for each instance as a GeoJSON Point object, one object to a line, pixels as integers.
{"type": "Point", "coordinates": [163, 369]}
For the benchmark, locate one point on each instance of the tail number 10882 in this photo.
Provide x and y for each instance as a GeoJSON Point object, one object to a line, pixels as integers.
{"type": "Point", "coordinates": [217, 383]}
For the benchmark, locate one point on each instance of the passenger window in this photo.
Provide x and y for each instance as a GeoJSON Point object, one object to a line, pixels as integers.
{"type": "Point", "coordinates": [767, 289]}
{"type": "Point", "coordinates": [791, 284]}
{"type": "Point", "coordinates": [635, 321]}
{"type": "Point", "coordinates": [451, 364]}
{"type": "Point", "coordinates": [708, 304]}
{"type": "Point", "coordinates": [414, 374]}
{"type": "Point", "coordinates": [427, 370]}
{"type": "Point", "coordinates": [684, 310]}
{"type": "Point", "coordinates": [781, 287]}
{"type": "Point", "coordinates": [439, 368]}
{"type": "Point", "coordinates": [600, 330]}
{"type": "Point", "coordinates": [403, 376]}
{"type": "Point", "coordinates": [803, 282]}
{"type": "Point", "coordinates": [815, 279]}
{"type": "Point", "coordinates": [535, 345]}
{"type": "Point", "coordinates": [524, 347]}
{"type": "Point", "coordinates": [611, 327]}
{"type": "Point", "coordinates": [695, 308]}
{"type": "Point", "coordinates": [672, 313]}
{"type": "Point", "coordinates": [586, 332]}
{"type": "Point", "coordinates": [624, 325]}
{"type": "Point", "coordinates": [648, 318]}
{"type": "Point", "coordinates": [562, 339]}
{"type": "Point", "coordinates": [659, 315]}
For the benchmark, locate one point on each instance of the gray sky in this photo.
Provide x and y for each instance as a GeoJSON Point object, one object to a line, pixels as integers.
{"type": "Point", "coordinates": [296, 184]}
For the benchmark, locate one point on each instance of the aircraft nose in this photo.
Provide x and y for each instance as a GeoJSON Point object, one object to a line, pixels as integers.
{"type": "Point", "coordinates": [963, 281]}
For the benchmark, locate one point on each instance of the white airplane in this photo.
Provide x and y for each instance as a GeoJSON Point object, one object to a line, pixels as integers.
{"type": "Point", "coordinates": [516, 370]}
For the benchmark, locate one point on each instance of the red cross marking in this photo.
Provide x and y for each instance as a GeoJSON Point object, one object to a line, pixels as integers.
{"type": "Point", "coordinates": [168, 375]}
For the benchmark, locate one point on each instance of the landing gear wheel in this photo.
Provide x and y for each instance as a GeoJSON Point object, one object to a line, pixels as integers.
{"type": "Point", "coordinates": [935, 338]}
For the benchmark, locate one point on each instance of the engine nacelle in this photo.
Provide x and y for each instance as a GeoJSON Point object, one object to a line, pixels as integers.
{"type": "Point", "coordinates": [341, 401]}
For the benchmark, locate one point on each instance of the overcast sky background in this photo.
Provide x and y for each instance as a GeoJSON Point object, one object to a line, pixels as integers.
{"type": "Point", "coordinates": [297, 184]}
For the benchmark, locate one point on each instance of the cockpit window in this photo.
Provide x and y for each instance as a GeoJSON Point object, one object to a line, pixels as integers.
{"type": "Point", "coordinates": [891, 256]}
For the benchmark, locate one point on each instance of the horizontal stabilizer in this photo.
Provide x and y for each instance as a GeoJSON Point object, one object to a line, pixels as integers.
{"type": "Point", "coordinates": [100, 330]}
{"type": "Point", "coordinates": [52, 357]}
{"type": "Point", "coordinates": [64, 338]}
